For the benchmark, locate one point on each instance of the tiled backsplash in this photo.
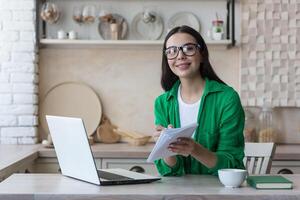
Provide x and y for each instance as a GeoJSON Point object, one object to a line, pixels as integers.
{"type": "Point", "coordinates": [270, 69]}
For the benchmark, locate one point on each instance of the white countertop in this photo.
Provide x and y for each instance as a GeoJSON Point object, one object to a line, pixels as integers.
{"type": "Point", "coordinates": [118, 150]}
{"type": "Point", "coordinates": [12, 156]}
{"type": "Point", "coordinates": [123, 150]}
{"type": "Point", "coordinates": [55, 186]}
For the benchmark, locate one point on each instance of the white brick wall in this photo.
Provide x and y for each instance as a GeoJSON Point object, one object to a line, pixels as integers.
{"type": "Point", "coordinates": [28, 120]}
{"type": "Point", "coordinates": [18, 73]}
{"type": "Point", "coordinates": [27, 36]}
{"type": "Point", "coordinates": [8, 120]}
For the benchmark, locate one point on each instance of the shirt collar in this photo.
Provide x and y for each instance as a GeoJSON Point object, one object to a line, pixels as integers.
{"type": "Point", "coordinates": [210, 86]}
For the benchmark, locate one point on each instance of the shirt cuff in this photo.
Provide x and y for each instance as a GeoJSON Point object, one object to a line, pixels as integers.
{"type": "Point", "coordinates": [167, 170]}
{"type": "Point", "coordinates": [222, 162]}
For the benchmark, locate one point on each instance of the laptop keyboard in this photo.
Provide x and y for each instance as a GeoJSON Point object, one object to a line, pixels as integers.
{"type": "Point", "coordinates": [111, 176]}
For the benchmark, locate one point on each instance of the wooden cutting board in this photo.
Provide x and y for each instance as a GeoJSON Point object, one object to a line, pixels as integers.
{"type": "Point", "coordinates": [72, 99]}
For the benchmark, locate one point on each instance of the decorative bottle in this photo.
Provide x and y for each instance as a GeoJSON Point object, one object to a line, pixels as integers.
{"type": "Point", "coordinates": [266, 126]}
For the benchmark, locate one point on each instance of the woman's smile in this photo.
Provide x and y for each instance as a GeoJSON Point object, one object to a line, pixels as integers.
{"type": "Point", "coordinates": [183, 65]}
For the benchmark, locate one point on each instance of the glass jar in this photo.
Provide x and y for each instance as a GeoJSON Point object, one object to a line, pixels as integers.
{"type": "Point", "coordinates": [266, 127]}
{"type": "Point", "coordinates": [217, 29]}
{"type": "Point", "coordinates": [250, 127]}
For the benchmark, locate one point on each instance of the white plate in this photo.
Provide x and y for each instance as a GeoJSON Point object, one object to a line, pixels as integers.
{"type": "Point", "coordinates": [184, 18]}
{"type": "Point", "coordinates": [72, 100]}
{"type": "Point", "coordinates": [147, 31]}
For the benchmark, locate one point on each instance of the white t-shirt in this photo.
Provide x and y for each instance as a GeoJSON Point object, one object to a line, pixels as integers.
{"type": "Point", "coordinates": [188, 113]}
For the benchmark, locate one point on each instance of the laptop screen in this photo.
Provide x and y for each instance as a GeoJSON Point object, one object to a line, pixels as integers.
{"type": "Point", "coordinates": [72, 148]}
{"type": "Point", "coordinates": [75, 156]}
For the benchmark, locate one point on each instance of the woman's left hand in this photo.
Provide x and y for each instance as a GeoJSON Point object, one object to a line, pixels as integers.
{"type": "Point", "coordinates": [183, 146]}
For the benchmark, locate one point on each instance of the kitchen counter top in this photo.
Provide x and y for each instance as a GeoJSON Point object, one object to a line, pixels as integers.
{"type": "Point", "coordinates": [123, 150]}
{"type": "Point", "coordinates": [119, 150]}
{"type": "Point", "coordinates": [14, 156]}
{"type": "Point", "coordinates": [55, 186]}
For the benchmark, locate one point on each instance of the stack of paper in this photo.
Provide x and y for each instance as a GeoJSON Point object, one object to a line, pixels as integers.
{"type": "Point", "coordinates": [168, 136]}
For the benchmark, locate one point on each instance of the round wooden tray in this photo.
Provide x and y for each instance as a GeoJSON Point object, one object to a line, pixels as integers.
{"type": "Point", "coordinates": [72, 99]}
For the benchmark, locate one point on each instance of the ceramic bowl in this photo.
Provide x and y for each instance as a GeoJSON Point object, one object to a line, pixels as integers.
{"type": "Point", "coordinates": [232, 178]}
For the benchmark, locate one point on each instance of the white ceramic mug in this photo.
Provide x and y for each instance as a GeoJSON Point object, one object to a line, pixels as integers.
{"type": "Point", "coordinates": [61, 34]}
{"type": "Point", "coordinates": [72, 35]}
{"type": "Point", "coordinates": [232, 178]}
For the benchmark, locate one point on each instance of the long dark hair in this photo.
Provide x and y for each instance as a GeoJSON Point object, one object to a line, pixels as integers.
{"type": "Point", "coordinates": [168, 78]}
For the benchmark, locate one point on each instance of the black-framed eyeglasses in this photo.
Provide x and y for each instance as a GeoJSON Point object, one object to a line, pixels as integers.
{"type": "Point", "coordinates": [188, 49]}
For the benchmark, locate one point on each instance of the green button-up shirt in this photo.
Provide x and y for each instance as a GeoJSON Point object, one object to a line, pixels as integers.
{"type": "Point", "coordinates": [221, 122]}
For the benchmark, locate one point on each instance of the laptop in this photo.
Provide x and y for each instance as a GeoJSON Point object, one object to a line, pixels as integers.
{"type": "Point", "coordinates": [75, 156]}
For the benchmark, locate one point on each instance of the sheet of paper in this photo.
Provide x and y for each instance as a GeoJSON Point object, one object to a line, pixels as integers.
{"type": "Point", "coordinates": [160, 150]}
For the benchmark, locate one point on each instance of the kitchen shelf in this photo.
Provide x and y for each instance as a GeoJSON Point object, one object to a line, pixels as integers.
{"type": "Point", "coordinates": [114, 43]}
{"type": "Point", "coordinates": [46, 31]}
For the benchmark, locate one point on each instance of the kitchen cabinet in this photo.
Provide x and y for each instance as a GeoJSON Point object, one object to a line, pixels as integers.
{"type": "Point", "coordinates": [88, 34]}
{"type": "Point", "coordinates": [138, 165]}
{"type": "Point", "coordinates": [286, 167]}
{"type": "Point", "coordinates": [50, 165]}
{"type": "Point", "coordinates": [36, 159]}
{"type": "Point", "coordinates": [286, 159]}
{"type": "Point", "coordinates": [122, 155]}
{"type": "Point", "coordinates": [119, 155]}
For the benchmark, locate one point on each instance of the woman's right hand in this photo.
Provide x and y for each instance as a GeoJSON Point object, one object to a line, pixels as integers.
{"type": "Point", "coordinates": [171, 161]}
{"type": "Point", "coordinates": [159, 130]}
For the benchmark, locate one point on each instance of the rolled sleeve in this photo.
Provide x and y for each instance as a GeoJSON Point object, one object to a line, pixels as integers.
{"type": "Point", "coordinates": [230, 151]}
{"type": "Point", "coordinates": [165, 170]}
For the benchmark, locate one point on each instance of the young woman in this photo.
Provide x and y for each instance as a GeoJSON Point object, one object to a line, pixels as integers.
{"type": "Point", "coordinates": [194, 93]}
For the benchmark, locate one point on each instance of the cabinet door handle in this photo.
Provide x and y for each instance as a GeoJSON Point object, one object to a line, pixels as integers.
{"type": "Point", "coordinates": [285, 171]}
{"type": "Point", "coordinates": [138, 169]}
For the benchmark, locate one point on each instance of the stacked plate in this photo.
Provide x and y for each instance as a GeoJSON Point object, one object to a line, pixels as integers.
{"type": "Point", "coordinates": [184, 18]}
{"type": "Point", "coordinates": [147, 30]}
